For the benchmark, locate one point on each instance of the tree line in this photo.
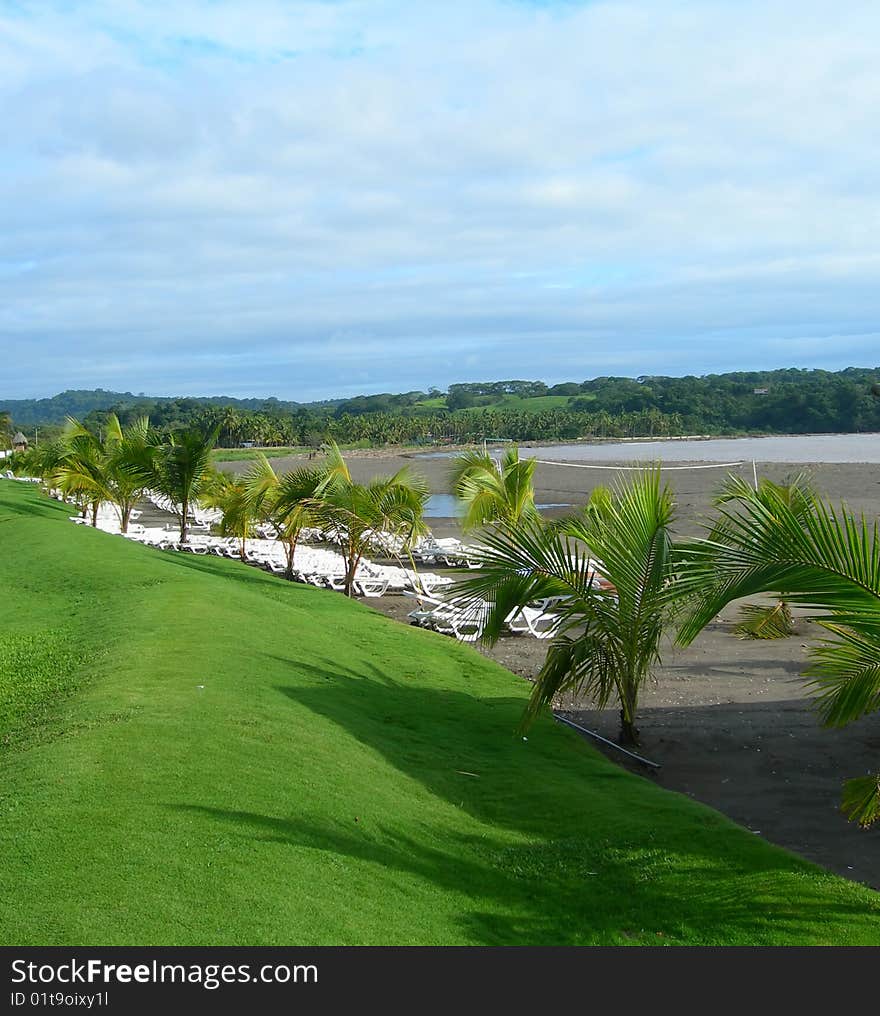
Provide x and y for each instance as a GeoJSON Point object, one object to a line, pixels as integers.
{"type": "Point", "coordinates": [788, 401]}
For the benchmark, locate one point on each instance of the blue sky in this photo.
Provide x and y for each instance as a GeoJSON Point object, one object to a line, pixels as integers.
{"type": "Point", "coordinates": [315, 199]}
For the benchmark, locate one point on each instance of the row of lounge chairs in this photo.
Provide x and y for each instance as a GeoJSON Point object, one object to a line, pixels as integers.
{"type": "Point", "coordinates": [198, 518]}
{"type": "Point", "coordinates": [462, 618]}
{"type": "Point", "coordinates": [465, 619]}
{"type": "Point", "coordinates": [313, 565]}
{"type": "Point", "coordinates": [448, 551]}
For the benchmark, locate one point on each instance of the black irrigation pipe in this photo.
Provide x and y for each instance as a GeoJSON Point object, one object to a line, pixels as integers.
{"type": "Point", "coordinates": [604, 740]}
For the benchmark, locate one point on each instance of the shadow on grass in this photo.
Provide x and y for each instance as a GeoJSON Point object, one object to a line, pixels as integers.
{"type": "Point", "coordinates": [572, 891]}
{"type": "Point", "coordinates": [568, 848]}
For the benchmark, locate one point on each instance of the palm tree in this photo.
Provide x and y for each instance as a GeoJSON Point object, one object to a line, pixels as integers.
{"type": "Point", "coordinates": [126, 448]}
{"type": "Point", "coordinates": [773, 621]}
{"type": "Point", "coordinates": [231, 495]}
{"type": "Point", "coordinates": [5, 428]}
{"type": "Point", "coordinates": [79, 469]}
{"type": "Point", "coordinates": [230, 421]}
{"type": "Point", "coordinates": [95, 468]}
{"type": "Point", "coordinates": [286, 501]}
{"type": "Point", "coordinates": [826, 561]}
{"type": "Point", "coordinates": [493, 491]}
{"type": "Point", "coordinates": [180, 468]}
{"type": "Point", "coordinates": [608, 639]}
{"type": "Point", "coordinates": [39, 460]}
{"type": "Point", "coordinates": [388, 504]}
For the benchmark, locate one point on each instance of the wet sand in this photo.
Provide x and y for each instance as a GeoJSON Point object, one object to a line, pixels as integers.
{"type": "Point", "coordinates": [729, 721]}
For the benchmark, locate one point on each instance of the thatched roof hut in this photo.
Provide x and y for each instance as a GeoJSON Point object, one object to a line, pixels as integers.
{"type": "Point", "coordinates": [20, 442]}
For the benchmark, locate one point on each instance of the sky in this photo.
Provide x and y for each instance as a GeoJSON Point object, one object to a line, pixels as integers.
{"type": "Point", "coordinates": [316, 199]}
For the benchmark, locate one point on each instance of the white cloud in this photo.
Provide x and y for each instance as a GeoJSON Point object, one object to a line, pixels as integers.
{"type": "Point", "coordinates": [612, 184]}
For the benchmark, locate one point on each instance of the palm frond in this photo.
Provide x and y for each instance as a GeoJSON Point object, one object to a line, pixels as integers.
{"type": "Point", "coordinates": [785, 538]}
{"type": "Point", "coordinates": [607, 641]}
{"type": "Point", "coordinates": [846, 673]}
{"type": "Point", "coordinates": [861, 800]}
{"type": "Point", "coordinates": [764, 621]}
{"type": "Point", "coordinates": [587, 664]}
{"type": "Point", "coordinates": [491, 491]}
{"type": "Point", "coordinates": [335, 466]}
{"type": "Point", "coordinates": [817, 559]}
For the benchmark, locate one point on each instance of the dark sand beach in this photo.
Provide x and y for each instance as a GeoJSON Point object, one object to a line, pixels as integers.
{"type": "Point", "coordinates": [730, 722]}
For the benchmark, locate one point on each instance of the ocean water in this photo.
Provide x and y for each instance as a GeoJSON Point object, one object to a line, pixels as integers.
{"type": "Point", "coordinates": [445, 506]}
{"type": "Point", "coordinates": [797, 448]}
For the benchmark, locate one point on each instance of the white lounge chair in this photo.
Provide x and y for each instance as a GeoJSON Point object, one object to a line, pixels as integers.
{"type": "Point", "coordinates": [533, 621]}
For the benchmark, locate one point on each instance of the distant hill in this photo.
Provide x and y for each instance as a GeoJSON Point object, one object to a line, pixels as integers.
{"type": "Point", "coordinates": [27, 412]}
{"type": "Point", "coordinates": [787, 401]}
{"type": "Point", "coordinates": [79, 403]}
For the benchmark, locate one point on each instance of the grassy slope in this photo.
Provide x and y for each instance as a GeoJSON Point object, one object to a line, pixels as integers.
{"type": "Point", "coordinates": [227, 758]}
{"type": "Point", "coordinates": [506, 402]}
{"type": "Point", "coordinates": [221, 455]}
{"type": "Point", "coordinates": [247, 454]}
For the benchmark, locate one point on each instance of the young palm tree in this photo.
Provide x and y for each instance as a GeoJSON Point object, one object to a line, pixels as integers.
{"type": "Point", "coordinates": [608, 640]}
{"type": "Point", "coordinates": [98, 469]}
{"type": "Point", "coordinates": [230, 494]}
{"type": "Point", "coordinates": [126, 447]}
{"type": "Point", "coordinates": [286, 501]}
{"type": "Point", "coordinates": [492, 491]}
{"type": "Point", "coordinates": [80, 467]}
{"type": "Point", "coordinates": [773, 621]}
{"type": "Point", "coordinates": [180, 468]}
{"type": "Point", "coordinates": [41, 461]}
{"type": "Point", "coordinates": [824, 560]}
{"type": "Point", "coordinates": [393, 504]}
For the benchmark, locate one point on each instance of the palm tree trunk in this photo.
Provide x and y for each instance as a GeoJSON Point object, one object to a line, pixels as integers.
{"type": "Point", "coordinates": [629, 732]}
{"type": "Point", "coordinates": [95, 506]}
{"type": "Point", "coordinates": [291, 554]}
{"type": "Point", "coordinates": [354, 561]}
{"type": "Point", "coordinates": [183, 515]}
{"type": "Point", "coordinates": [126, 515]}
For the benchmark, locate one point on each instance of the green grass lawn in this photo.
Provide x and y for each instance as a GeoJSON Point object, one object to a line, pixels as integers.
{"type": "Point", "coordinates": [247, 454]}
{"type": "Point", "coordinates": [535, 405]}
{"type": "Point", "coordinates": [504, 402]}
{"type": "Point", "coordinates": [221, 455]}
{"type": "Point", "coordinates": [195, 752]}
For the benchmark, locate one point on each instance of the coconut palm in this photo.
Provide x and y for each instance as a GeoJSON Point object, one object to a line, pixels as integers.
{"type": "Point", "coordinates": [768, 621]}
{"type": "Point", "coordinates": [39, 460]}
{"type": "Point", "coordinates": [239, 516]}
{"type": "Point", "coordinates": [79, 469]}
{"type": "Point", "coordinates": [359, 512]}
{"type": "Point", "coordinates": [180, 468]}
{"type": "Point", "coordinates": [286, 501]}
{"type": "Point", "coordinates": [95, 468]}
{"type": "Point", "coordinates": [822, 559]}
{"type": "Point", "coordinates": [126, 448]}
{"type": "Point", "coordinates": [494, 491]}
{"type": "Point", "coordinates": [608, 639]}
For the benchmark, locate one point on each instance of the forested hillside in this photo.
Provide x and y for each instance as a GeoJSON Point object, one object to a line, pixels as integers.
{"type": "Point", "coordinates": [791, 401]}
